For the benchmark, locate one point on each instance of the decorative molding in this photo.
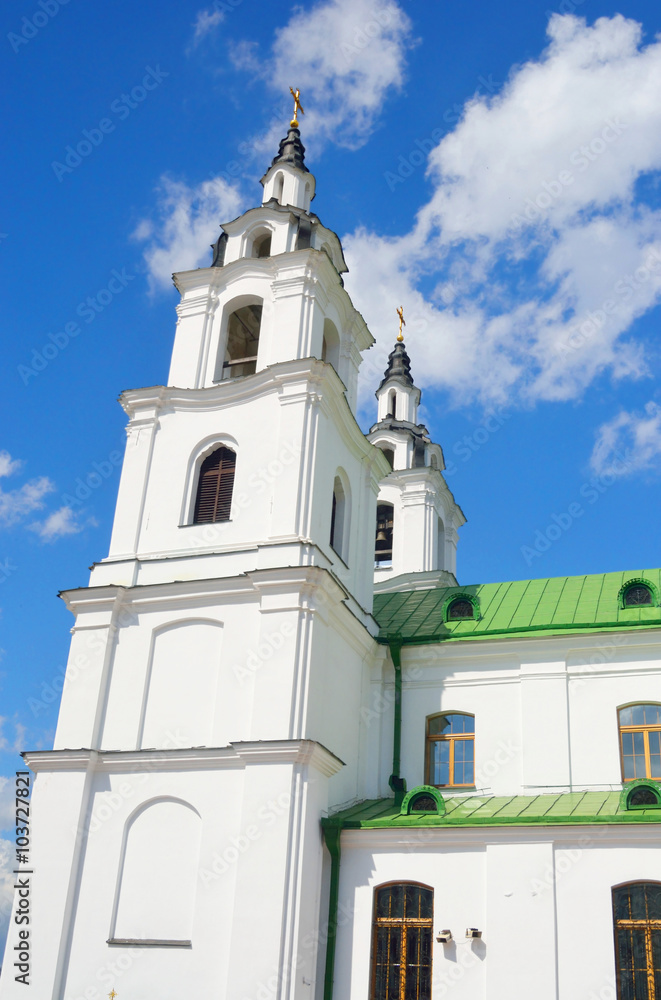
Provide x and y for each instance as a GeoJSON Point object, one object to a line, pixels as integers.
{"type": "Point", "coordinates": [236, 755]}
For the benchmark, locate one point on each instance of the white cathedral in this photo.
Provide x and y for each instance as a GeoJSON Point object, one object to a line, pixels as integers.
{"type": "Point", "coordinates": [295, 760]}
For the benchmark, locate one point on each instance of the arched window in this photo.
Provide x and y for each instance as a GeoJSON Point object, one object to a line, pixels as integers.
{"type": "Point", "coordinates": [389, 455]}
{"type": "Point", "coordinates": [213, 501]}
{"type": "Point", "coordinates": [243, 328]}
{"type": "Point", "coordinates": [440, 553]}
{"type": "Point", "coordinates": [392, 405]}
{"type": "Point", "coordinates": [451, 750]}
{"type": "Point", "coordinates": [262, 246]}
{"type": "Point", "coordinates": [339, 533]}
{"type": "Point", "coordinates": [278, 188]}
{"type": "Point", "coordinates": [308, 191]}
{"type": "Point", "coordinates": [385, 521]}
{"type": "Point", "coordinates": [636, 595]}
{"type": "Point", "coordinates": [330, 346]}
{"type": "Point", "coordinates": [637, 920]}
{"type": "Point", "coordinates": [640, 741]}
{"type": "Point", "coordinates": [402, 942]}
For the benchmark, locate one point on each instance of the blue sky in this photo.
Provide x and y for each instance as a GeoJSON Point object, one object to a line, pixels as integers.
{"type": "Point", "coordinates": [494, 167]}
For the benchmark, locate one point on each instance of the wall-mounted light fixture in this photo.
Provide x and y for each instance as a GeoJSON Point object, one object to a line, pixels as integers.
{"type": "Point", "coordinates": [472, 932]}
{"type": "Point", "coordinates": [444, 937]}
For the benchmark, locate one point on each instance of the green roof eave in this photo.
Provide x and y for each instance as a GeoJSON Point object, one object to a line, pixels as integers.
{"type": "Point", "coordinates": [422, 640]}
{"type": "Point", "coordinates": [555, 606]}
{"type": "Point", "coordinates": [558, 809]}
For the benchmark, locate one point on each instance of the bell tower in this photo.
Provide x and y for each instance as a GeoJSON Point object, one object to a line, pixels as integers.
{"type": "Point", "coordinates": [417, 516]}
{"type": "Point", "coordinates": [221, 654]}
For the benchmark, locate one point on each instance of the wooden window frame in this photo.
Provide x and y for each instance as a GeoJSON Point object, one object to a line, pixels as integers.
{"type": "Point", "coordinates": [451, 738]}
{"type": "Point", "coordinates": [648, 925]}
{"type": "Point", "coordinates": [403, 922]}
{"type": "Point", "coordinates": [646, 729]}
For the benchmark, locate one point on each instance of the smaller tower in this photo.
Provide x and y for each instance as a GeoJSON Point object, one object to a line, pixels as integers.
{"type": "Point", "coordinates": [417, 516]}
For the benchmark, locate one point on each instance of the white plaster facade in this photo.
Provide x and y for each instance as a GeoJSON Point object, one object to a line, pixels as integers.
{"type": "Point", "coordinates": [226, 690]}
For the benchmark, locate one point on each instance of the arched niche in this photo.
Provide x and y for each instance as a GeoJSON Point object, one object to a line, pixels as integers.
{"type": "Point", "coordinates": [157, 878]}
{"type": "Point", "coordinates": [181, 685]}
{"type": "Point", "coordinates": [341, 515]}
{"type": "Point", "coordinates": [330, 346]}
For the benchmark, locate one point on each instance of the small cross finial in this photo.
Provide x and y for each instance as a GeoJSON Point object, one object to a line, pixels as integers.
{"type": "Point", "coordinates": [402, 322]}
{"type": "Point", "coordinates": [296, 94]}
{"type": "Point", "coordinates": [112, 994]}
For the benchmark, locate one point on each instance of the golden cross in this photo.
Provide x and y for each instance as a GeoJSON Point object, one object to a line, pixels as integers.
{"type": "Point", "coordinates": [402, 322]}
{"type": "Point", "coordinates": [112, 995]}
{"type": "Point", "coordinates": [296, 94]}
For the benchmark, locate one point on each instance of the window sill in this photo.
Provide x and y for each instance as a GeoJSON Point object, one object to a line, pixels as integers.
{"type": "Point", "coordinates": [204, 524]}
{"type": "Point", "coordinates": [455, 788]}
{"type": "Point", "coordinates": [148, 943]}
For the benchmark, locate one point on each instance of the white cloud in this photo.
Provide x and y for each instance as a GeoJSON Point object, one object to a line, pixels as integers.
{"type": "Point", "coordinates": [187, 222]}
{"type": "Point", "coordinates": [628, 443]}
{"type": "Point", "coordinates": [345, 56]}
{"type": "Point", "coordinates": [205, 22]}
{"type": "Point", "coordinates": [61, 522]}
{"type": "Point", "coordinates": [10, 745]}
{"type": "Point", "coordinates": [16, 504]}
{"type": "Point", "coordinates": [8, 465]}
{"type": "Point", "coordinates": [538, 305]}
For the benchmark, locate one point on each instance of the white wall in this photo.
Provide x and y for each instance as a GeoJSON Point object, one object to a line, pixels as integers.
{"type": "Point", "coordinates": [541, 897]}
{"type": "Point", "coordinates": [545, 710]}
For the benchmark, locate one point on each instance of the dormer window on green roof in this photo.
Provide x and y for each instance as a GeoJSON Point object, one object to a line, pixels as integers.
{"type": "Point", "coordinates": [641, 795]}
{"type": "Point", "coordinates": [461, 607]}
{"type": "Point", "coordinates": [637, 593]}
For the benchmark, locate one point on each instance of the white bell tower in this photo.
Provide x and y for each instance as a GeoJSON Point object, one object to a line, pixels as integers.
{"type": "Point", "coordinates": [221, 653]}
{"type": "Point", "coordinates": [417, 516]}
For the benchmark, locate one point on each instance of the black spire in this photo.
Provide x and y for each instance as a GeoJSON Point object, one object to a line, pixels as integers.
{"type": "Point", "coordinates": [399, 366]}
{"type": "Point", "coordinates": [291, 151]}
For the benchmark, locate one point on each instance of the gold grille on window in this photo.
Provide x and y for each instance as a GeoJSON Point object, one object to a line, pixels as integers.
{"type": "Point", "coordinates": [402, 943]}
{"type": "Point", "coordinates": [637, 917]}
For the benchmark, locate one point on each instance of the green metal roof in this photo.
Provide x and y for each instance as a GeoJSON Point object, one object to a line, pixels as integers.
{"type": "Point", "coordinates": [497, 810]}
{"type": "Point", "coordinates": [557, 606]}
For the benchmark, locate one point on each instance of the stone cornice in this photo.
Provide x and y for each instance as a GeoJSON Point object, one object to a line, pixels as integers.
{"type": "Point", "coordinates": [236, 755]}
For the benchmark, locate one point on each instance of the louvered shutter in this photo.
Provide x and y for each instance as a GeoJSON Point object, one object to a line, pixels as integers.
{"type": "Point", "coordinates": [214, 488]}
